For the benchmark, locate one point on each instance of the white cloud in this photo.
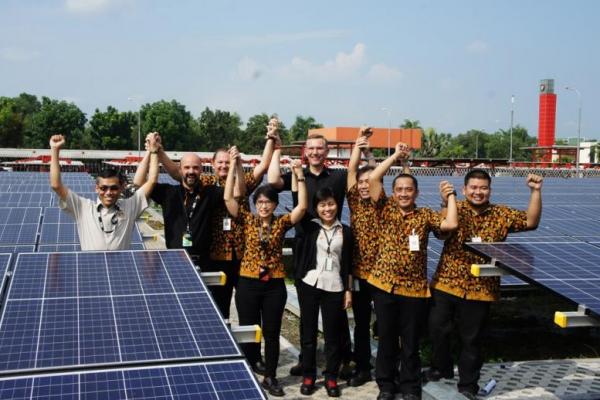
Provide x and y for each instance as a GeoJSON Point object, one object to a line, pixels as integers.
{"type": "Point", "coordinates": [248, 69]}
{"type": "Point", "coordinates": [478, 47]}
{"type": "Point", "coordinates": [344, 65]}
{"type": "Point", "coordinates": [89, 6]}
{"type": "Point", "coordinates": [384, 74]}
{"type": "Point", "coordinates": [16, 54]}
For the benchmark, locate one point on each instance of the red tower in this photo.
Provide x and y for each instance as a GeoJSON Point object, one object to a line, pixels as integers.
{"type": "Point", "coordinates": [547, 116]}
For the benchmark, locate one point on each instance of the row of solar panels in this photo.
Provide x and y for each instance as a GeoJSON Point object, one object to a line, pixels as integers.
{"type": "Point", "coordinates": [50, 229]}
{"type": "Point", "coordinates": [111, 325]}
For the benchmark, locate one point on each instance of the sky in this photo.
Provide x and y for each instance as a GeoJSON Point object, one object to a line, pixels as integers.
{"type": "Point", "coordinates": [452, 65]}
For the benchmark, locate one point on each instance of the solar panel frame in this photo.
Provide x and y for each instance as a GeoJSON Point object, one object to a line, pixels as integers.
{"type": "Point", "coordinates": [226, 380]}
{"type": "Point", "coordinates": [47, 304]}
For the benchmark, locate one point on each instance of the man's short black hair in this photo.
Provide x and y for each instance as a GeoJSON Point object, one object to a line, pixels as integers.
{"type": "Point", "coordinates": [478, 174]}
{"type": "Point", "coordinates": [111, 173]}
{"type": "Point", "coordinates": [403, 175]}
{"type": "Point", "coordinates": [363, 170]}
{"type": "Point", "coordinates": [323, 194]}
{"type": "Point", "coordinates": [268, 191]}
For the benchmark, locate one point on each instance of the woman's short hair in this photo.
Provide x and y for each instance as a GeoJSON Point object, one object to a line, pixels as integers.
{"type": "Point", "coordinates": [268, 191]}
{"type": "Point", "coordinates": [323, 194]}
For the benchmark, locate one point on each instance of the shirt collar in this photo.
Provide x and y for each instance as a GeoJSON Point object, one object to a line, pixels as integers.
{"type": "Point", "coordinates": [100, 206]}
{"type": "Point", "coordinates": [337, 223]}
{"type": "Point", "coordinates": [324, 172]}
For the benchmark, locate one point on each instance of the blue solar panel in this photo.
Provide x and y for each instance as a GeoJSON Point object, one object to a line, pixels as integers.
{"type": "Point", "coordinates": [17, 249]}
{"type": "Point", "coordinates": [49, 248]}
{"type": "Point", "coordinates": [25, 199]}
{"type": "Point", "coordinates": [226, 380]}
{"type": "Point", "coordinates": [4, 264]}
{"type": "Point", "coordinates": [96, 308]}
{"type": "Point", "coordinates": [19, 225]}
{"type": "Point", "coordinates": [58, 227]}
{"type": "Point", "coordinates": [570, 269]}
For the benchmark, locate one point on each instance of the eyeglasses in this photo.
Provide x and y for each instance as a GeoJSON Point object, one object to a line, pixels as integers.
{"type": "Point", "coordinates": [260, 203]}
{"type": "Point", "coordinates": [105, 188]}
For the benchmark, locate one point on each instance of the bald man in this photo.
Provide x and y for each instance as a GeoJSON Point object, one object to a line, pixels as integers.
{"type": "Point", "coordinates": [187, 208]}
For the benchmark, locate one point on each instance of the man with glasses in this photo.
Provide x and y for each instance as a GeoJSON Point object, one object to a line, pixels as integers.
{"type": "Point", "coordinates": [107, 223]}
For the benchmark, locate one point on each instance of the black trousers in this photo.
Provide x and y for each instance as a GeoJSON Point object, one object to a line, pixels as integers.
{"type": "Point", "coordinates": [262, 303]}
{"type": "Point", "coordinates": [361, 306]}
{"type": "Point", "coordinates": [331, 304]}
{"type": "Point", "coordinates": [344, 331]}
{"type": "Point", "coordinates": [399, 317]}
{"type": "Point", "coordinates": [471, 317]}
{"type": "Point", "coordinates": [222, 294]}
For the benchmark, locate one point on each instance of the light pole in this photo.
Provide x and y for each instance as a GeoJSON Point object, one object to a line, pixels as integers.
{"type": "Point", "coordinates": [578, 126]}
{"type": "Point", "coordinates": [139, 125]}
{"type": "Point", "coordinates": [389, 128]}
{"type": "Point", "coordinates": [512, 114]}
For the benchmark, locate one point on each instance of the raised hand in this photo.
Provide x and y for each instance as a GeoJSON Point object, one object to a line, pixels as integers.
{"type": "Point", "coordinates": [534, 181]}
{"type": "Point", "coordinates": [401, 151]}
{"type": "Point", "coordinates": [234, 155]}
{"type": "Point", "coordinates": [362, 142]}
{"type": "Point", "coordinates": [297, 168]}
{"type": "Point", "coordinates": [446, 189]}
{"type": "Point", "coordinates": [273, 128]}
{"type": "Point", "coordinates": [153, 142]}
{"type": "Point", "coordinates": [365, 131]}
{"type": "Point", "coordinates": [57, 142]}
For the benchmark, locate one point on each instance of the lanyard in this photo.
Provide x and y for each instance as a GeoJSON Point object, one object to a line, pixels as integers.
{"type": "Point", "coordinates": [114, 220]}
{"type": "Point", "coordinates": [191, 213]}
{"type": "Point", "coordinates": [329, 239]}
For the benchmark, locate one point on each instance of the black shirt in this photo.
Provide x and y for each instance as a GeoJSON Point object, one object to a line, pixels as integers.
{"type": "Point", "coordinates": [336, 179]}
{"type": "Point", "coordinates": [175, 214]}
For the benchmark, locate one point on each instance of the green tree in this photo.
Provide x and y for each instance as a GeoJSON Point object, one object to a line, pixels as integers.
{"type": "Point", "coordinates": [252, 140]}
{"type": "Point", "coordinates": [433, 143]}
{"type": "Point", "coordinates": [172, 121]}
{"type": "Point", "coordinates": [55, 116]}
{"type": "Point", "coordinates": [411, 124]}
{"type": "Point", "coordinates": [299, 129]}
{"type": "Point", "coordinates": [15, 118]}
{"type": "Point", "coordinates": [474, 143]}
{"type": "Point", "coordinates": [112, 129]}
{"type": "Point", "coordinates": [218, 129]}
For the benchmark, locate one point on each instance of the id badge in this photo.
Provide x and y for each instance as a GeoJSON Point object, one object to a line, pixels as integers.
{"type": "Point", "coordinates": [226, 224]}
{"type": "Point", "coordinates": [328, 264]}
{"type": "Point", "coordinates": [413, 242]}
{"type": "Point", "coordinates": [476, 239]}
{"type": "Point", "coordinates": [186, 240]}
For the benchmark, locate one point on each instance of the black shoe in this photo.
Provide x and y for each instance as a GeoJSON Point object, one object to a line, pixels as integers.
{"type": "Point", "coordinates": [469, 395]}
{"type": "Point", "coordinates": [434, 375]}
{"type": "Point", "coordinates": [411, 396]}
{"type": "Point", "coordinates": [259, 367]}
{"type": "Point", "coordinates": [386, 396]}
{"type": "Point", "coordinates": [332, 388]}
{"type": "Point", "coordinates": [360, 378]}
{"type": "Point", "coordinates": [296, 370]}
{"type": "Point", "coordinates": [271, 385]}
{"type": "Point", "coordinates": [308, 386]}
{"type": "Point", "coordinates": [345, 372]}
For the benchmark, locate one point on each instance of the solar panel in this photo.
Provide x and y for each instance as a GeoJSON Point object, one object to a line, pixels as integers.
{"type": "Point", "coordinates": [98, 308]}
{"type": "Point", "coordinates": [58, 227]}
{"type": "Point", "coordinates": [4, 264]}
{"type": "Point", "coordinates": [217, 380]}
{"type": "Point", "coordinates": [571, 270]}
{"type": "Point", "coordinates": [51, 248]}
{"type": "Point", "coordinates": [19, 225]}
{"type": "Point", "coordinates": [17, 249]}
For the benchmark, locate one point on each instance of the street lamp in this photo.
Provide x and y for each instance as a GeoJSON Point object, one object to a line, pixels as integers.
{"type": "Point", "coordinates": [139, 125]}
{"type": "Point", "coordinates": [512, 114]}
{"type": "Point", "coordinates": [389, 128]}
{"type": "Point", "coordinates": [578, 126]}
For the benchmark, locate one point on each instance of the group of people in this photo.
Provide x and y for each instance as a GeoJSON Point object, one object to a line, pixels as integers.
{"type": "Point", "coordinates": [381, 258]}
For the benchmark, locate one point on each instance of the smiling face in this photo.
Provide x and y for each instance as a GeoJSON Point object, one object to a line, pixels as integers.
{"type": "Point", "coordinates": [264, 206]}
{"type": "Point", "coordinates": [477, 192]}
{"type": "Point", "coordinates": [220, 164]}
{"type": "Point", "coordinates": [327, 210]}
{"type": "Point", "coordinates": [362, 184]}
{"type": "Point", "coordinates": [316, 152]}
{"type": "Point", "coordinates": [109, 190]}
{"type": "Point", "coordinates": [405, 192]}
{"type": "Point", "coordinates": [190, 168]}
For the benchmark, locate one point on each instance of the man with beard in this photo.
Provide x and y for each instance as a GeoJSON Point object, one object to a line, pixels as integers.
{"type": "Point", "coordinates": [187, 208]}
